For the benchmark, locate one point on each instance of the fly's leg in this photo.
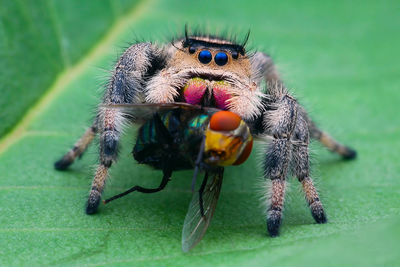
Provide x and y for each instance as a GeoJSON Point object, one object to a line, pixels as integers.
{"type": "Point", "coordinates": [166, 178]}
{"type": "Point", "coordinates": [280, 122]}
{"type": "Point", "coordinates": [301, 169]}
{"type": "Point", "coordinates": [201, 191]}
{"type": "Point", "coordinates": [79, 147]}
{"type": "Point", "coordinates": [198, 163]}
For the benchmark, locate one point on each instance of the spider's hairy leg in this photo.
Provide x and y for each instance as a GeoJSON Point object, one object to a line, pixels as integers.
{"type": "Point", "coordinates": [301, 168]}
{"type": "Point", "coordinates": [329, 142]}
{"type": "Point", "coordinates": [126, 86]}
{"type": "Point", "coordinates": [111, 125]}
{"type": "Point", "coordinates": [264, 66]}
{"type": "Point", "coordinates": [276, 201]}
{"type": "Point", "coordinates": [280, 123]}
{"type": "Point", "coordinates": [79, 147]}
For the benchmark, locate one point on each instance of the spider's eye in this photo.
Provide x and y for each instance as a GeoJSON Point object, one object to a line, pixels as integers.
{"type": "Point", "coordinates": [205, 56]}
{"type": "Point", "coordinates": [235, 55]}
{"type": "Point", "coordinates": [221, 58]}
{"type": "Point", "coordinates": [192, 50]}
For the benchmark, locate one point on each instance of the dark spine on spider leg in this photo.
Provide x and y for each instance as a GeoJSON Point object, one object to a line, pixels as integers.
{"type": "Point", "coordinates": [301, 168]}
{"type": "Point", "coordinates": [280, 122]}
{"type": "Point", "coordinates": [126, 86]}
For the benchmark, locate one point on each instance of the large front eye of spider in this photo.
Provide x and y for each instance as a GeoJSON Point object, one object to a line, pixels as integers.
{"type": "Point", "coordinates": [221, 58]}
{"type": "Point", "coordinates": [205, 56]}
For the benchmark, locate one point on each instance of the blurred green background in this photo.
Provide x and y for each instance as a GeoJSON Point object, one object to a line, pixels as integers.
{"type": "Point", "coordinates": [340, 58]}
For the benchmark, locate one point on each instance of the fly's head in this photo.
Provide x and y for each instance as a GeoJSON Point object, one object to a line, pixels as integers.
{"type": "Point", "coordinates": [227, 140]}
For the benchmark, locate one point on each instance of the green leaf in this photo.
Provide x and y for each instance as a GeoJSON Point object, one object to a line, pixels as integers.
{"type": "Point", "coordinates": [40, 39]}
{"type": "Point", "coordinates": [340, 59]}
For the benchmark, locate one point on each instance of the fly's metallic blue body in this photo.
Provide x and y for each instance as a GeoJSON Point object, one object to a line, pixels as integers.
{"type": "Point", "coordinates": [185, 131]}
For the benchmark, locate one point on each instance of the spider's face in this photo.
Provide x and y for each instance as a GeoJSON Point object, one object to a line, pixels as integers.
{"type": "Point", "coordinates": [212, 56]}
{"type": "Point", "coordinates": [214, 72]}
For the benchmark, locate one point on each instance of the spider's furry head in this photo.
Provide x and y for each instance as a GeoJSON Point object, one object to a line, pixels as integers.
{"type": "Point", "coordinates": [217, 62]}
{"type": "Point", "coordinates": [225, 41]}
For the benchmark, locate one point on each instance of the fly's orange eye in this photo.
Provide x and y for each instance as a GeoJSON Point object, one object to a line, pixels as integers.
{"type": "Point", "coordinates": [245, 154]}
{"type": "Point", "coordinates": [224, 121]}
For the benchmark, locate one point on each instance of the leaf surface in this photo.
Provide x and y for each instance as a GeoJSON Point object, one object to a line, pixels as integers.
{"type": "Point", "coordinates": [39, 40]}
{"type": "Point", "coordinates": [340, 59]}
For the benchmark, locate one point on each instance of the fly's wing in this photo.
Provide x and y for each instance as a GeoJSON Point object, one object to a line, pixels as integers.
{"type": "Point", "coordinates": [195, 225]}
{"type": "Point", "coordinates": [142, 112]}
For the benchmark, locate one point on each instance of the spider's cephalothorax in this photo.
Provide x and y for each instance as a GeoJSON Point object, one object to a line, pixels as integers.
{"type": "Point", "coordinates": [210, 71]}
{"type": "Point", "coordinates": [215, 72]}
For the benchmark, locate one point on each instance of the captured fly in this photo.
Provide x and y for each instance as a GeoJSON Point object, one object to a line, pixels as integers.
{"type": "Point", "coordinates": [182, 136]}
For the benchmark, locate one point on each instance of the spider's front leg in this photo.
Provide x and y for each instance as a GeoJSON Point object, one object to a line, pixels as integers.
{"type": "Point", "coordinates": [111, 126]}
{"type": "Point", "coordinates": [126, 86]}
{"type": "Point", "coordinates": [280, 123]}
{"type": "Point", "coordinates": [301, 168]}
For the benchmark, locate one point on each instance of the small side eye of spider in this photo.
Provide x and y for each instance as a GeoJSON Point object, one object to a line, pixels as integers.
{"type": "Point", "coordinates": [192, 50]}
{"type": "Point", "coordinates": [235, 55]}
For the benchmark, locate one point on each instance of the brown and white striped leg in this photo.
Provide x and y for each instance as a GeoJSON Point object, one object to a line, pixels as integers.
{"type": "Point", "coordinates": [96, 190]}
{"type": "Point", "coordinates": [313, 200]}
{"type": "Point", "coordinates": [329, 142]}
{"type": "Point", "coordinates": [302, 169]}
{"type": "Point", "coordinates": [275, 209]}
{"type": "Point", "coordinates": [80, 146]}
{"type": "Point", "coordinates": [111, 122]}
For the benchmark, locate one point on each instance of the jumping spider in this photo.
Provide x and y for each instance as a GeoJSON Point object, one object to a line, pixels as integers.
{"type": "Point", "coordinates": [216, 72]}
